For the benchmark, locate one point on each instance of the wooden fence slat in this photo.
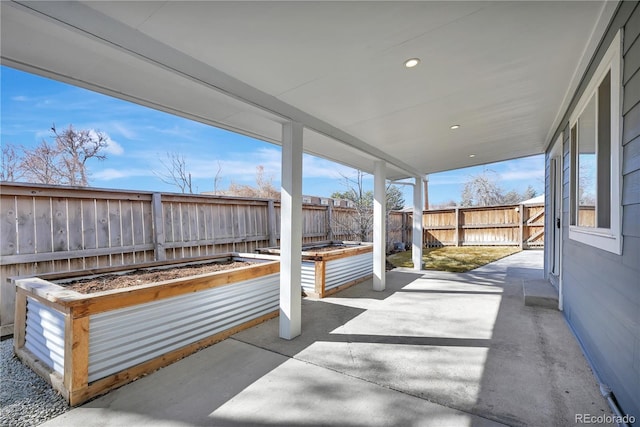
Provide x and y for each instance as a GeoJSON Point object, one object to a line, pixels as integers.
{"type": "Point", "coordinates": [74, 224]}
{"type": "Point", "coordinates": [102, 223]}
{"type": "Point", "coordinates": [42, 209]}
{"type": "Point", "coordinates": [26, 225]}
{"type": "Point", "coordinates": [59, 221]}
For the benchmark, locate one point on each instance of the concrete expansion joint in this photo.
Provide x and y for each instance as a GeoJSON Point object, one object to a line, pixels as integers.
{"type": "Point", "coordinates": [404, 392]}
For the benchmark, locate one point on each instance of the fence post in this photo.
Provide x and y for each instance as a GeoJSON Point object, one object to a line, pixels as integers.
{"type": "Point", "coordinates": [271, 223]}
{"type": "Point", "coordinates": [457, 222]}
{"type": "Point", "coordinates": [405, 217]}
{"type": "Point", "coordinates": [158, 227]}
{"type": "Point", "coordinates": [521, 216]}
{"type": "Point", "coordinates": [330, 221]}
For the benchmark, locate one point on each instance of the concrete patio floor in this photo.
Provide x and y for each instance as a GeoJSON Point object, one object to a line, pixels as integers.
{"type": "Point", "coordinates": [433, 349]}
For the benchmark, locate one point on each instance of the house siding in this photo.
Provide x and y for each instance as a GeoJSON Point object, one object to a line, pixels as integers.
{"type": "Point", "coordinates": [601, 290]}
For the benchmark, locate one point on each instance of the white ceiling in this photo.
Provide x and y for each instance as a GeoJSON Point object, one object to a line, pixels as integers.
{"type": "Point", "coordinates": [504, 71]}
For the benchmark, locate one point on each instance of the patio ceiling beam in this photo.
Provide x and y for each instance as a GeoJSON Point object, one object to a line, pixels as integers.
{"type": "Point", "coordinates": [88, 22]}
{"type": "Point", "coordinates": [291, 232]}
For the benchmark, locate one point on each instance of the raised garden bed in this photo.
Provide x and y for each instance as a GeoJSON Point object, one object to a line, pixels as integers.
{"type": "Point", "coordinates": [88, 344]}
{"type": "Point", "coordinates": [329, 267]}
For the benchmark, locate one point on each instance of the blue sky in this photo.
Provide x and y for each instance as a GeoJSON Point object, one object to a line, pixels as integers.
{"type": "Point", "coordinates": [140, 138]}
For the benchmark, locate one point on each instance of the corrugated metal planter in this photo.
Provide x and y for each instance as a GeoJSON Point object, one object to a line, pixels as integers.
{"type": "Point", "coordinates": [329, 271]}
{"type": "Point", "coordinates": [88, 344]}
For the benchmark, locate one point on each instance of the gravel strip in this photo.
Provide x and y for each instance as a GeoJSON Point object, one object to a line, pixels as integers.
{"type": "Point", "coordinates": [25, 398]}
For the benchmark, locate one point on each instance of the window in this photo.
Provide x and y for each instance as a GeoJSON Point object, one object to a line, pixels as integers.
{"type": "Point", "coordinates": [595, 146]}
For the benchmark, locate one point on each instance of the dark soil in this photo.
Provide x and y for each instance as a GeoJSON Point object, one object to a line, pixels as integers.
{"type": "Point", "coordinates": [327, 248]}
{"type": "Point", "coordinates": [144, 277]}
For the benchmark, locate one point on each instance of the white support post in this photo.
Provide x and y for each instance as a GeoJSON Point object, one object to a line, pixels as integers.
{"type": "Point", "coordinates": [291, 232]}
{"type": "Point", "coordinates": [416, 246]}
{"type": "Point", "coordinates": [379, 223]}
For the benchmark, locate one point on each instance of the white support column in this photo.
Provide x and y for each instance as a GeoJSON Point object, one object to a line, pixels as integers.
{"type": "Point", "coordinates": [379, 225]}
{"type": "Point", "coordinates": [291, 232]}
{"type": "Point", "coordinates": [416, 246]}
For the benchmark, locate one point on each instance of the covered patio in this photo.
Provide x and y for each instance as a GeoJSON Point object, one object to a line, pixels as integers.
{"type": "Point", "coordinates": [433, 348]}
{"type": "Point", "coordinates": [494, 81]}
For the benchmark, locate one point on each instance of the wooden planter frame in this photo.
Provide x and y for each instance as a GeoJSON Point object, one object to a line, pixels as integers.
{"type": "Point", "coordinates": [77, 308]}
{"type": "Point", "coordinates": [322, 259]}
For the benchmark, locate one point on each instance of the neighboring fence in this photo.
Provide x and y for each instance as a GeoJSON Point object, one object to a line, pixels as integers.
{"type": "Point", "coordinates": [517, 225]}
{"type": "Point", "coordinates": [48, 229]}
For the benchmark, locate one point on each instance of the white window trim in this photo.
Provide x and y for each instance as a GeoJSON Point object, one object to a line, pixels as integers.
{"type": "Point", "coordinates": [609, 239]}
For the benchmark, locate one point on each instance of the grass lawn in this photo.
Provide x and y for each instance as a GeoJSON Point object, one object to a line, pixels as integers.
{"type": "Point", "coordinates": [454, 259]}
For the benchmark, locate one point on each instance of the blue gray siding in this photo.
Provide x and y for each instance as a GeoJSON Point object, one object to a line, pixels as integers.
{"type": "Point", "coordinates": [602, 289]}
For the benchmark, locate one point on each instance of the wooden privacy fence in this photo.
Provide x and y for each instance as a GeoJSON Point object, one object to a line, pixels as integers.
{"type": "Point", "coordinates": [53, 229]}
{"type": "Point", "coordinates": [512, 225]}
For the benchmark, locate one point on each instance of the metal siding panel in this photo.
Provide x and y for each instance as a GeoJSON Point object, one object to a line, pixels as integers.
{"type": "Point", "coordinates": [344, 270]}
{"type": "Point", "coordinates": [308, 276]}
{"type": "Point", "coordinates": [123, 338]}
{"type": "Point", "coordinates": [45, 334]}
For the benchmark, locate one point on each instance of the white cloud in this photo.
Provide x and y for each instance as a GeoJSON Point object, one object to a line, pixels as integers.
{"type": "Point", "coordinates": [239, 167]}
{"type": "Point", "coordinates": [123, 130]}
{"type": "Point", "coordinates": [111, 174]}
{"type": "Point", "coordinates": [20, 98]}
{"type": "Point", "coordinates": [112, 146]}
{"type": "Point", "coordinates": [314, 167]}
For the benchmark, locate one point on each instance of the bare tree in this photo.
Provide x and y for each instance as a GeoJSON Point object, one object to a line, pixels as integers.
{"type": "Point", "coordinates": [444, 205]}
{"type": "Point", "coordinates": [358, 224]}
{"type": "Point", "coordinates": [75, 148]}
{"type": "Point", "coordinates": [10, 167]}
{"type": "Point", "coordinates": [42, 164]}
{"type": "Point", "coordinates": [512, 197]}
{"type": "Point", "coordinates": [482, 190]}
{"type": "Point", "coordinates": [264, 187]}
{"type": "Point", "coordinates": [64, 161]}
{"type": "Point", "coordinates": [176, 173]}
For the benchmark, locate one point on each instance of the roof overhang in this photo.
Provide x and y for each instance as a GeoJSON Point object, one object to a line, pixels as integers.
{"type": "Point", "coordinates": [504, 71]}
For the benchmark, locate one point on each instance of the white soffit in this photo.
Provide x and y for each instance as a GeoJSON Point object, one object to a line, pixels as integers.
{"type": "Point", "coordinates": [503, 71]}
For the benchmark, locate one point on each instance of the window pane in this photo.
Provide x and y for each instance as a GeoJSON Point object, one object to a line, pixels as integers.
{"type": "Point", "coordinates": [574, 159]}
{"type": "Point", "coordinates": [603, 211]}
{"type": "Point", "coordinates": [587, 166]}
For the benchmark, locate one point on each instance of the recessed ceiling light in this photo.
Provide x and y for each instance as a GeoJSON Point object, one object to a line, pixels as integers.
{"type": "Point", "coordinates": [454, 127]}
{"type": "Point", "coordinates": [472, 155]}
{"type": "Point", "coordinates": [412, 62]}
